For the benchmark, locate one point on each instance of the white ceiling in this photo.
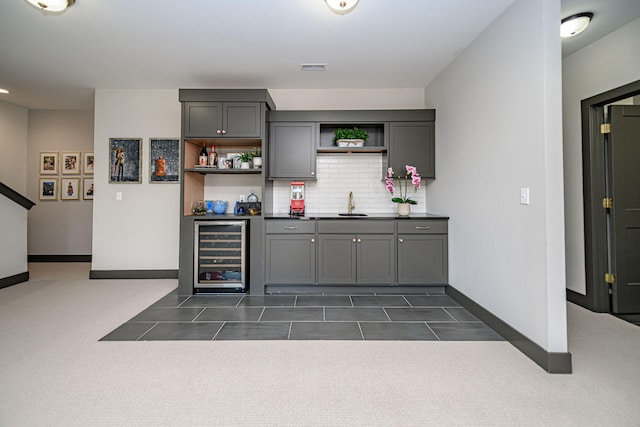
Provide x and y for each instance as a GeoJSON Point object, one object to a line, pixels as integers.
{"type": "Point", "coordinates": [56, 61]}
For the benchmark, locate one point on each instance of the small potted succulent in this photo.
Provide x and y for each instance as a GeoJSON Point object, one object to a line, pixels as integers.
{"type": "Point", "coordinates": [346, 137]}
{"type": "Point", "coordinates": [256, 157]}
{"type": "Point", "coordinates": [245, 158]}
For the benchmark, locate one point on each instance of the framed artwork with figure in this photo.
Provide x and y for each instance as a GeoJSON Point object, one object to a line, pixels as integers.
{"type": "Point", "coordinates": [49, 163]}
{"type": "Point", "coordinates": [70, 188]}
{"type": "Point", "coordinates": [87, 163]}
{"type": "Point", "coordinates": [48, 189]}
{"type": "Point", "coordinates": [70, 162]}
{"type": "Point", "coordinates": [164, 157]}
{"type": "Point", "coordinates": [125, 160]}
{"type": "Point", "coordinates": [87, 188]}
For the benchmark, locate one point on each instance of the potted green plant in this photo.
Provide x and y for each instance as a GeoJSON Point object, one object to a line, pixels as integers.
{"type": "Point", "coordinates": [256, 157]}
{"type": "Point", "coordinates": [244, 159]}
{"type": "Point", "coordinates": [350, 137]}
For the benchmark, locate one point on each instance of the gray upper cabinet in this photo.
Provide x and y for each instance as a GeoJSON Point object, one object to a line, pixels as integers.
{"type": "Point", "coordinates": [292, 150]}
{"type": "Point", "coordinates": [412, 143]}
{"type": "Point", "coordinates": [407, 136]}
{"type": "Point", "coordinates": [222, 120]}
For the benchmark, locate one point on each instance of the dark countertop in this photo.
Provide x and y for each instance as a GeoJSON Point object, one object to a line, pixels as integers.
{"type": "Point", "coordinates": [377, 216]}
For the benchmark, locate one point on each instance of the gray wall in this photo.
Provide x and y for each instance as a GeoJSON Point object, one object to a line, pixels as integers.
{"type": "Point", "coordinates": [57, 227]}
{"type": "Point", "coordinates": [507, 257]}
{"type": "Point", "coordinates": [610, 62]}
{"type": "Point", "coordinates": [13, 228]}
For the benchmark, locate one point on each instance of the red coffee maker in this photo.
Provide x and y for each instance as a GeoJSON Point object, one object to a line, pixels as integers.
{"type": "Point", "coordinates": [297, 199]}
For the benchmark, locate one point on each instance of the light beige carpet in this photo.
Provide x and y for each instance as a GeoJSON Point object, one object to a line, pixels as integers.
{"type": "Point", "coordinates": [54, 372]}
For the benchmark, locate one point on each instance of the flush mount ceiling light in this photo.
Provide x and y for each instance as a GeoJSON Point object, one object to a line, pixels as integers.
{"type": "Point", "coordinates": [575, 24]}
{"type": "Point", "coordinates": [51, 5]}
{"type": "Point", "coordinates": [341, 7]}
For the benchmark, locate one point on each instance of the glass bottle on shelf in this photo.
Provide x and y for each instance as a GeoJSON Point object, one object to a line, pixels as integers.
{"type": "Point", "coordinates": [204, 157]}
{"type": "Point", "coordinates": [213, 161]}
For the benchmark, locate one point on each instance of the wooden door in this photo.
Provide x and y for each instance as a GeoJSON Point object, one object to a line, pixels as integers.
{"type": "Point", "coordinates": [624, 216]}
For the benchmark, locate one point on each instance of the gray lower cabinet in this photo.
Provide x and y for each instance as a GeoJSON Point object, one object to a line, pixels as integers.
{"type": "Point", "coordinates": [422, 253]}
{"type": "Point", "coordinates": [290, 253]}
{"type": "Point", "coordinates": [356, 252]}
{"type": "Point", "coordinates": [292, 150]}
{"type": "Point", "coordinates": [412, 143]}
{"type": "Point", "coordinates": [222, 119]}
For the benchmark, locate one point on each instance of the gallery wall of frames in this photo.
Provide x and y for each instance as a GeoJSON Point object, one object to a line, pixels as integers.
{"type": "Point", "coordinates": [66, 175]}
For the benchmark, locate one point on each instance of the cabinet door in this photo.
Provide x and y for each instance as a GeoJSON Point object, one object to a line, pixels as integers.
{"type": "Point", "coordinates": [202, 119]}
{"type": "Point", "coordinates": [292, 150]}
{"type": "Point", "coordinates": [412, 143]}
{"type": "Point", "coordinates": [375, 259]}
{"type": "Point", "coordinates": [336, 259]}
{"type": "Point", "coordinates": [291, 259]}
{"type": "Point", "coordinates": [241, 120]}
{"type": "Point", "coordinates": [422, 259]}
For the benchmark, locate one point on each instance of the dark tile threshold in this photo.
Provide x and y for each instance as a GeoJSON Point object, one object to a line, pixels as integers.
{"type": "Point", "coordinates": [304, 317]}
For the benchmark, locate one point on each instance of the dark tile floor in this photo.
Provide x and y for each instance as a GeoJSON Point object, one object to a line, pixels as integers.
{"type": "Point", "coordinates": [305, 317]}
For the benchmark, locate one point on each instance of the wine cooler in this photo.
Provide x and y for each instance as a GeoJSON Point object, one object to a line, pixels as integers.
{"type": "Point", "coordinates": [220, 256]}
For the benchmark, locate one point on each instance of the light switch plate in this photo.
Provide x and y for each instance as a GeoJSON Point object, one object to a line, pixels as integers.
{"type": "Point", "coordinates": [524, 196]}
{"type": "Point", "coordinates": [118, 195]}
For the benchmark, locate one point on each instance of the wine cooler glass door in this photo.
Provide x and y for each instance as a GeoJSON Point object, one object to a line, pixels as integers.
{"type": "Point", "coordinates": [219, 260]}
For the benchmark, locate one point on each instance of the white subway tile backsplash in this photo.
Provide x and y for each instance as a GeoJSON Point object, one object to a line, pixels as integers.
{"type": "Point", "coordinates": [337, 175]}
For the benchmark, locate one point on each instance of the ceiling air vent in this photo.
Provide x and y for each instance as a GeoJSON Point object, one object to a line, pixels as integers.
{"type": "Point", "coordinates": [313, 67]}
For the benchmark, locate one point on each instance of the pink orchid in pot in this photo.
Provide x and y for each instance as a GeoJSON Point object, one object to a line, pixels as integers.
{"type": "Point", "coordinates": [404, 201]}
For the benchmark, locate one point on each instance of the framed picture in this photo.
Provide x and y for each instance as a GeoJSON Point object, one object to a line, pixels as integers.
{"type": "Point", "coordinates": [87, 163]}
{"type": "Point", "coordinates": [48, 189]}
{"type": "Point", "coordinates": [164, 160]}
{"type": "Point", "coordinates": [125, 159]}
{"type": "Point", "coordinates": [70, 162]}
{"type": "Point", "coordinates": [70, 188]}
{"type": "Point", "coordinates": [48, 163]}
{"type": "Point", "coordinates": [87, 188]}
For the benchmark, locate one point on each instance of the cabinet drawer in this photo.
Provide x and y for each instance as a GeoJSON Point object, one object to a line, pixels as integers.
{"type": "Point", "coordinates": [422, 227]}
{"type": "Point", "coordinates": [355, 226]}
{"type": "Point", "coordinates": [290, 227]}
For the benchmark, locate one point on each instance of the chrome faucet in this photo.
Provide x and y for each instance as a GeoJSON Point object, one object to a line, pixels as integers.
{"type": "Point", "coordinates": [351, 204]}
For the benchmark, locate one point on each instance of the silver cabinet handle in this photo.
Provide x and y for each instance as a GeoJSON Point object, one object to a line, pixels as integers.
{"type": "Point", "coordinates": [313, 173]}
{"type": "Point", "coordinates": [422, 227]}
{"type": "Point", "coordinates": [359, 240]}
{"type": "Point", "coordinates": [218, 131]}
{"type": "Point", "coordinates": [290, 227]}
{"type": "Point", "coordinates": [401, 240]}
{"type": "Point", "coordinates": [224, 131]}
{"type": "Point", "coordinates": [313, 240]}
{"type": "Point", "coordinates": [353, 240]}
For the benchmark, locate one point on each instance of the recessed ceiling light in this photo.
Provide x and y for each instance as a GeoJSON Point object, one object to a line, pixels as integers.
{"type": "Point", "coordinates": [3, 90]}
{"type": "Point", "coordinates": [313, 67]}
{"type": "Point", "coordinates": [52, 5]}
{"type": "Point", "coordinates": [575, 24]}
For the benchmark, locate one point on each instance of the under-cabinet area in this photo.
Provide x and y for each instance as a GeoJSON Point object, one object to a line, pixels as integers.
{"type": "Point", "coordinates": [365, 253]}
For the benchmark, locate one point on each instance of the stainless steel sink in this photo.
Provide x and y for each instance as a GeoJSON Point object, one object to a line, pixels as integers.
{"type": "Point", "coordinates": [352, 214]}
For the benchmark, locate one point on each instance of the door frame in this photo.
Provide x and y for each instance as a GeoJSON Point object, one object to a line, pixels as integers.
{"type": "Point", "coordinates": [593, 186]}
